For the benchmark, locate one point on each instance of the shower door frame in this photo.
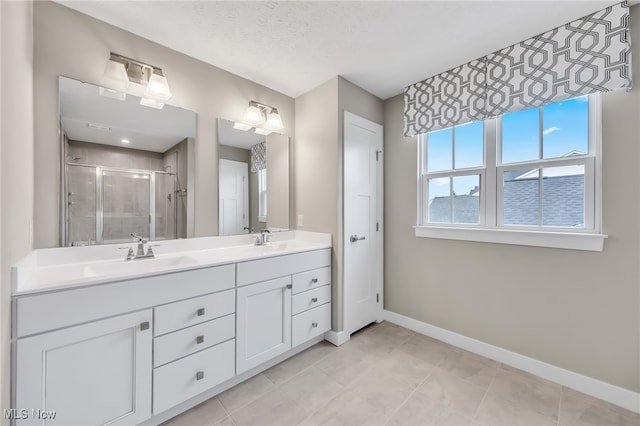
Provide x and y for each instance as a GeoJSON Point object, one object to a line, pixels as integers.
{"type": "Point", "coordinates": [100, 199]}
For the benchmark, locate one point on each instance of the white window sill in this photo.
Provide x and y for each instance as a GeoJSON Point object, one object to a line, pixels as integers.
{"type": "Point", "coordinates": [563, 240]}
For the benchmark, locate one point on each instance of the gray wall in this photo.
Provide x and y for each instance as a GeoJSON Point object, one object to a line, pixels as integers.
{"type": "Point", "coordinates": [16, 156]}
{"type": "Point", "coordinates": [74, 45]}
{"type": "Point", "coordinates": [573, 309]}
{"type": "Point", "coordinates": [319, 165]}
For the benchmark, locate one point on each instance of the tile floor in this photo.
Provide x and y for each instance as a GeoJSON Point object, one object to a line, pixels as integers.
{"type": "Point", "coordinates": [388, 375]}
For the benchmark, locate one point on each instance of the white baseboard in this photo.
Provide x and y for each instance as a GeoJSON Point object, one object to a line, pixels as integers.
{"type": "Point", "coordinates": [590, 386]}
{"type": "Point", "coordinates": [337, 338]}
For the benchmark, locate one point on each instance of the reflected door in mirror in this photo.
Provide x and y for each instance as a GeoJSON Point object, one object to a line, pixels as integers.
{"type": "Point", "coordinates": [234, 197]}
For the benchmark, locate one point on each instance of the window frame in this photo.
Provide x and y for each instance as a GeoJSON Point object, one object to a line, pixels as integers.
{"type": "Point", "coordinates": [491, 227]}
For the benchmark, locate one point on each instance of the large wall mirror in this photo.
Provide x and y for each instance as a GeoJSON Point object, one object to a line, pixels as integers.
{"type": "Point", "coordinates": [127, 168]}
{"type": "Point", "coordinates": [253, 180]}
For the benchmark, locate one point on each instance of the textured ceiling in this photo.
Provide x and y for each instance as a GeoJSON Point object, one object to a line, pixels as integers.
{"type": "Point", "coordinates": [295, 46]}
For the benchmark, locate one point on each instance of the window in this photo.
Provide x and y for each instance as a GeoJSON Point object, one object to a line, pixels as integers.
{"type": "Point", "coordinates": [531, 170]}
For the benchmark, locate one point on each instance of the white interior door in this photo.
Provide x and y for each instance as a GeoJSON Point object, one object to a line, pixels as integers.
{"type": "Point", "coordinates": [362, 222]}
{"type": "Point", "coordinates": [233, 197]}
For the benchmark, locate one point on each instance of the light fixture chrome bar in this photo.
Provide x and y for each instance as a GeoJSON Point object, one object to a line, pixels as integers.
{"type": "Point", "coordinates": [264, 107]}
{"type": "Point", "coordinates": [145, 69]}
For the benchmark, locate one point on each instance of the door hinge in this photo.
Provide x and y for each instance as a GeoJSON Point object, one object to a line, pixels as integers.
{"type": "Point", "coordinates": [377, 226]}
{"type": "Point", "coordinates": [377, 297]}
{"type": "Point", "coordinates": [378, 155]}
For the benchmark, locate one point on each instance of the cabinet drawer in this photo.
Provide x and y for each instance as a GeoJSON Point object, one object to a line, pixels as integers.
{"type": "Point", "coordinates": [311, 279]}
{"type": "Point", "coordinates": [254, 271]}
{"type": "Point", "coordinates": [310, 324]}
{"type": "Point", "coordinates": [183, 379]}
{"type": "Point", "coordinates": [193, 339]}
{"type": "Point", "coordinates": [310, 299]}
{"type": "Point", "coordinates": [175, 316]}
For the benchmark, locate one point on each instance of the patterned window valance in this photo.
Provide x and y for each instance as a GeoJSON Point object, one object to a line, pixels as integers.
{"type": "Point", "coordinates": [588, 55]}
{"type": "Point", "coordinates": [258, 157]}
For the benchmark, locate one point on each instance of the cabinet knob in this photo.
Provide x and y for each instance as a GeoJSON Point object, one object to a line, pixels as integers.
{"type": "Point", "coordinates": [144, 326]}
{"type": "Point", "coordinates": [199, 339]}
{"type": "Point", "coordinates": [200, 375]}
{"type": "Point", "coordinates": [314, 280]}
{"type": "Point", "coordinates": [200, 312]}
{"type": "Point", "coordinates": [289, 286]}
{"type": "Point", "coordinates": [314, 324]}
{"type": "Point", "coordinates": [314, 299]}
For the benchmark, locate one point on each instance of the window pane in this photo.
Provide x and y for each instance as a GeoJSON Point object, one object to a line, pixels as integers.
{"type": "Point", "coordinates": [469, 145]}
{"type": "Point", "coordinates": [440, 200]}
{"type": "Point", "coordinates": [520, 197]}
{"type": "Point", "coordinates": [439, 150]}
{"type": "Point", "coordinates": [566, 128]}
{"type": "Point", "coordinates": [521, 136]}
{"type": "Point", "coordinates": [466, 199]}
{"type": "Point", "coordinates": [563, 196]}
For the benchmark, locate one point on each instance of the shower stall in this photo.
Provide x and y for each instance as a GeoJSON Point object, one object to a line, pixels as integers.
{"type": "Point", "coordinates": [106, 205]}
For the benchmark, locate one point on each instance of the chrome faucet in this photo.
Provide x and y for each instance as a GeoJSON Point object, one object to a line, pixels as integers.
{"type": "Point", "coordinates": [264, 239]}
{"type": "Point", "coordinates": [140, 253]}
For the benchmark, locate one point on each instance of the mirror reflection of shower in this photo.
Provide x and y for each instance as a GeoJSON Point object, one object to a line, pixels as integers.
{"type": "Point", "coordinates": [126, 167]}
{"type": "Point", "coordinates": [105, 204]}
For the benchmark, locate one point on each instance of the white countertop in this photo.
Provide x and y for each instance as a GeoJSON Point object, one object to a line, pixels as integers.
{"type": "Point", "coordinates": [68, 267]}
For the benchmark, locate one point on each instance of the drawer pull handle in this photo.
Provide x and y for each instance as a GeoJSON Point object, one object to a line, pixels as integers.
{"type": "Point", "coordinates": [200, 312]}
{"type": "Point", "coordinates": [144, 326]}
{"type": "Point", "coordinates": [199, 339]}
{"type": "Point", "coordinates": [200, 375]}
{"type": "Point", "coordinates": [314, 300]}
{"type": "Point", "coordinates": [314, 324]}
{"type": "Point", "coordinates": [314, 280]}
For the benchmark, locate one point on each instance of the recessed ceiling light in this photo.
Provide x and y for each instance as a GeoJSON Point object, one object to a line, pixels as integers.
{"type": "Point", "coordinates": [124, 140]}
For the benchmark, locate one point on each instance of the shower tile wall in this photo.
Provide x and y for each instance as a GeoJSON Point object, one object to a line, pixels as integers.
{"type": "Point", "coordinates": [113, 156]}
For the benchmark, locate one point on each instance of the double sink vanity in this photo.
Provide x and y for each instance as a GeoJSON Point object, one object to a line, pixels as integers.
{"type": "Point", "coordinates": [101, 340]}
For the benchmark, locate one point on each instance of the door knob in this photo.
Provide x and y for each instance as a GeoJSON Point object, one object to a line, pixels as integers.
{"type": "Point", "coordinates": [355, 238]}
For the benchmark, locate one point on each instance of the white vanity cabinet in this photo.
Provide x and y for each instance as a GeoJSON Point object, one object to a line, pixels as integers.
{"type": "Point", "coordinates": [87, 353]}
{"type": "Point", "coordinates": [96, 373]}
{"type": "Point", "coordinates": [265, 326]}
{"type": "Point", "coordinates": [140, 350]}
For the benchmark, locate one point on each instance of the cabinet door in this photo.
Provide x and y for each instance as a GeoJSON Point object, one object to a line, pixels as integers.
{"type": "Point", "coordinates": [93, 374]}
{"type": "Point", "coordinates": [263, 322]}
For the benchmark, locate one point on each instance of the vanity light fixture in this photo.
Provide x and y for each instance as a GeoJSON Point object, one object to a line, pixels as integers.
{"type": "Point", "coordinates": [130, 76]}
{"type": "Point", "coordinates": [115, 75]}
{"type": "Point", "coordinates": [263, 117]}
{"type": "Point", "coordinates": [253, 115]}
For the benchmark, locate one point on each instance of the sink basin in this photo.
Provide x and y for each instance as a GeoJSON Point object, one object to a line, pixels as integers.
{"type": "Point", "coordinates": [136, 266]}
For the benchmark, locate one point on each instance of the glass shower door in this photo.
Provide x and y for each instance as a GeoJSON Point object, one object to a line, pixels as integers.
{"type": "Point", "coordinates": [126, 205]}
{"type": "Point", "coordinates": [165, 206]}
{"type": "Point", "coordinates": [81, 205]}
